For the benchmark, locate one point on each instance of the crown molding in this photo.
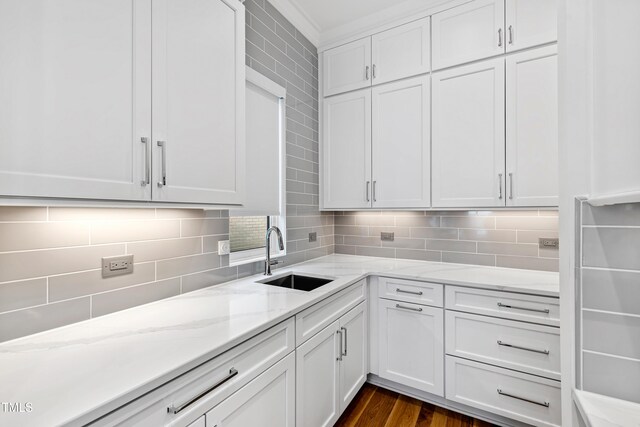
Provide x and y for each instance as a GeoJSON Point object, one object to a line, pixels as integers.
{"type": "Point", "coordinates": [303, 23]}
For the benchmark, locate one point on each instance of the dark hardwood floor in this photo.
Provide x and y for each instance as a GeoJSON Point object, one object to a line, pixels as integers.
{"type": "Point", "coordinates": [375, 406]}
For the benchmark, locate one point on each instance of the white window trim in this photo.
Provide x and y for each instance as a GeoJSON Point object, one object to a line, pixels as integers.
{"type": "Point", "coordinates": [256, 255]}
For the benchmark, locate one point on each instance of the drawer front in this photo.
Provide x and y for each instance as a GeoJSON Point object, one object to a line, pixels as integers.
{"type": "Point", "coordinates": [199, 390]}
{"type": "Point", "coordinates": [507, 305]}
{"type": "Point", "coordinates": [522, 397]}
{"type": "Point", "coordinates": [534, 349]}
{"type": "Point", "coordinates": [317, 317]}
{"type": "Point", "coordinates": [411, 291]}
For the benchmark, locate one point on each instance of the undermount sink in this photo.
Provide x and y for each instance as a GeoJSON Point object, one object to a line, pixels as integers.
{"type": "Point", "coordinates": [297, 281]}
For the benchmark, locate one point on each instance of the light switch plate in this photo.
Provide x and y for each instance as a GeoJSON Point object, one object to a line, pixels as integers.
{"type": "Point", "coordinates": [549, 243]}
{"type": "Point", "coordinates": [117, 265]}
{"type": "Point", "coordinates": [313, 236]}
{"type": "Point", "coordinates": [224, 247]}
{"type": "Point", "coordinates": [387, 237]}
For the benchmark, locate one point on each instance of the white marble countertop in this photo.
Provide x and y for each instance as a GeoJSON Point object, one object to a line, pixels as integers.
{"type": "Point", "coordinates": [603, 411]}
{"type": "Point", "coordinates": [74, 374]}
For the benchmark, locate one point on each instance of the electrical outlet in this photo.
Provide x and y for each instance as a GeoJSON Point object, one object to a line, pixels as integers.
{"type": "Point", "coordinates": [313, 236]}
{"type": "Point", "coordinates": [548, 243]}
{"type": "Point", "coordinates": [224, 247]}
{"type": "Point", "coordinates": [117, 265]}
{"type": "Point", "coordinates": [387, 237]}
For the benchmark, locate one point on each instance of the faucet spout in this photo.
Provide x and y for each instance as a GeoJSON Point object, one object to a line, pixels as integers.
{"type": "Point", "coordinates": [268, 263]}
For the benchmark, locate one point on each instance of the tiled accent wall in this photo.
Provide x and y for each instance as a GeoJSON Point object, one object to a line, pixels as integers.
{"type": "Point", "coordinates": [610, 300]}
{"type": "Point", "coordinates": [276, 49]}
{"type": "Point", "coordinates": [493, 238]}
{"type": "Point", "coordinates": [50, 272]}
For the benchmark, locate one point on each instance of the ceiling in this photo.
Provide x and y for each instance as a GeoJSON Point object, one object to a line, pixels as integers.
{"type": "Point", "coordinates": [323, 21]}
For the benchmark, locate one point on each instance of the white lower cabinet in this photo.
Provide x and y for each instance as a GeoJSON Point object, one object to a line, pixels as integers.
{"type": "Point", "coordinates": [200, 422]}
{"type": "Point", "coordinates": [411, 348]}
{"type": "Point", "coordinates": [330, 369]}
{"type": "Point", "coordinates": [267, 401]}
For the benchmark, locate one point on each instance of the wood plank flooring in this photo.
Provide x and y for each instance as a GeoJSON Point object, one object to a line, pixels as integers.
{"type": "Point", "coordinates": [378, 407]}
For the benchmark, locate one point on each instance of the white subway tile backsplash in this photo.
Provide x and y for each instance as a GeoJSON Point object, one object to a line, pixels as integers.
{"type": "Point", "coordinates": [44, 235]}
{"type": "Point", "coordinates": [109, 302]}
{"type": "Point", "coordinates": [21, 294]}
{"type": "Point", "coordinates": [163, 249]}
{"type": "Point", "coordinates": [611, 290]}
{"type": "Point", "coordinates": [186, 265]}
{"type": "Point", "coordinates": [99, 214]}
{"type": "Point", "coordinates": [19, 213]}
{"type": "Point", "coordinates": [205, 227]}
{"type": "Point", "coordinates": [611, 332]}
{"type": "Point", "coordinates": [611, 376]}
{"type": "Point", "coordinates": [131, 231]}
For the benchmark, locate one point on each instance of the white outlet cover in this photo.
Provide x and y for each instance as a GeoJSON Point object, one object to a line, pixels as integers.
{"type": "Point", "coordinates": [224, 247]}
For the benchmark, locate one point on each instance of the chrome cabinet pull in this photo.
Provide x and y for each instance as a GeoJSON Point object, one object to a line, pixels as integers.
{"type": "Point", "coordinates": [374, 191]}
{"type": "Point", "coordinates": [345, 340]}
{"type": "Point", "coordinates": [368, 185]}
{"type": "Point", "coordinates": [515, 307]}
{"type": "Point", "coordinates": [500, 186]}
{"type": "Point", "coordinates": [534, 350]}
{"type": "Point", "coordinates": [147, 170]}
{"type": "Point", "coordinates": [373, 71]}
{"type": "Point", "coordinates": [339, 358]}
{"type": "Point", "coordinates": [510, 34]}
{"type": "Point", "coordinates": [402, 291]}
{"type": "Point", "coordinates": [174, 409]}
{"type": "Point", "coordinates": [500, 37]}
{"type": "Point", "coordinates": [366, 72]}
{"type": "Point", "coordinates": [524, 399]}
{"type": "Point", "coordinates": [510, 186]}
{"type": "Point", "coordinates": [163, 149]}
{"type": "Point", "coordinates": [404, 307]}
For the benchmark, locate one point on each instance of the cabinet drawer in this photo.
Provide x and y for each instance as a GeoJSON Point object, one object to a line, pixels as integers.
{"type": "Point", "coordinates": [515, 345]}
{"type": "Point", "coordinates": [522, 397]}
{"type": "Point", "coordinates": [317, 317]}
{"type": "Point", "coordinates": [410, 291]}
{"type": "Point", "coordinates": [202, 388]}
{"type": "Point", "coordinates": [528, 308]}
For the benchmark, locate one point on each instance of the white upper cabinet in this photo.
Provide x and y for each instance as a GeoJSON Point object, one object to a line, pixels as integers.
{"type": "Point", "coordinates": [401, 52]}
{"type": "Point", "coordinates": [347, 67]}
{"type": "Point", "coordinates": [469, 32]}
{"type": "Point", "coordinates": [75, 98]}
{"type": "Point", "coordinates": [532, 128]}
{"type": "Point", "coordinates": [346, 150]}
{"type": "Point", "coordinates": [198, 101]}
{"type": "Point", "coordinates": [401, 144]}
{"type": "Point", "coordinates": [531, 23]}
{"type": "Point", "coordinates": [468, 145]}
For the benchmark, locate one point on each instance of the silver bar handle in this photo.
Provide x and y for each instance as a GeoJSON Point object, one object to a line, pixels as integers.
{"type": "Point", "coordinates": [510, 186]}
{"type": "Point", "coordinates": [402, 291]}
{"type": "Point", "coordinates": [404, 307]}
{"type": "Point", "coordinates": [163, 149]}
{"type": "Point", "coordinates": [174, 409]}
{"type": "Point", "coordinates": [500, 186]}
{"type": "Point", "coordinates": [339, 358]}
{"type": "Point", "coordinates": [373, 71]}
{"type": "Point", "coordinates": [510, 34]}
{"type": "Point", "coordinates": [366, 72]}
{"type": "Point", "coordinates": [515, 307]}
{"type": "Point", "coordinates": [345, 340]}
{"type": "Point", "coordinates": [534, 350]}
{"type": "Point", "coordinates": [147, 170]}
{"type": "Point", "coordinates": [368, 185]}
{"type": "Point", "coordinates": [374, 191]}
{"type": "Point", "coordinates": [524, 399]}
{"type": "Point", "coordinates": [499, 37]}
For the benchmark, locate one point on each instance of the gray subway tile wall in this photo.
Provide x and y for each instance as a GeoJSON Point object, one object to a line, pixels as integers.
{"type": "Point", "coordinates": [492, 238]}
{"type": "Point", "coordinates": [610, 303]}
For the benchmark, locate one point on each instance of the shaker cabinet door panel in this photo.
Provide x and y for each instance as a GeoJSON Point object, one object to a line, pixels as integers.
{"type": "Point", "coordinates": [198, 101]}
{"type": "Point", "coordinates": [347, 67]}
{"type": "Point", "coordinates": [354, 364]}
{"type": "Point", "coordinates": [531, 23]}
{"type": "Point", "coordinates": [76, 98]}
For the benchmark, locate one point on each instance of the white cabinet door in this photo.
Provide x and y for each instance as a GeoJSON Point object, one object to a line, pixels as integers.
{"type": "Point", "coordinates": [468, 136]}
{"type": "Point", "coordinates": [346, 150]}
{"type": "Point", "coordinates": [198, 101]}
{"type": "Point", "coordinates": [76, 98]}
{"type": "Point", "coordinates": [401, 144]}
{"type": "Point", "coordinates": [411, 345]}
{"type": "Point", "coordinates": [354, 363]}
{"type": "Point", "coordinates": [401, 52]}
{"type": "Point", "coordinates": [469, 32]}
{"type": "Point", "coordinates": [268, 400]}
{"type": "Point", "coordinates": [531, 23]}
{"type": "Point", "coordinates": [532, 128]}
{"type": "Point", "coordinates": [317, 378]}
{"type": "Point", "coordinates": [200, 422]}
{"type": "Point", "coordinates": [347, 67]}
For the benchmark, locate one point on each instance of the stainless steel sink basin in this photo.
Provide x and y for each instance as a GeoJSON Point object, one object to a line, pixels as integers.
{"type": "Point", "coordinates": [297, 281]}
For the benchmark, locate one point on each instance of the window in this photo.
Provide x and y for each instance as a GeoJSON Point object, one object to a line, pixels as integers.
{"type": "Point", "coordinates": [265, 181]}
